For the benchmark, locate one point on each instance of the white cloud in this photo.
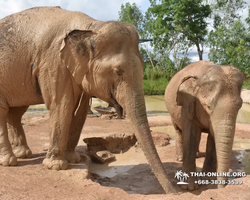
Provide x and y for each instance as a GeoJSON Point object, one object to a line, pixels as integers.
{"type": "Point", "coordinates": [98, 9]}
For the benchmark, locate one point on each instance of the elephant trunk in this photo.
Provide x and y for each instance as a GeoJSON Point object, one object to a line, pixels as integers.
{"type": "Point", "coordinates": [224, 136]}
{"type": "Point", "coordinates": [136, 111]}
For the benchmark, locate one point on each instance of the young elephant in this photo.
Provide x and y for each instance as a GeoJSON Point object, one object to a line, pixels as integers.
{"type": "Point", "coordinates": [62, 58]}
{"type": "Point", "coordinates": [204, 97]}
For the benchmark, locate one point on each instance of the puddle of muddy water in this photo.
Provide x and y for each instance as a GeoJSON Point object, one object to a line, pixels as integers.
{"type": "Point", "coordinates": [243, 157]}
{"type": "Point", "coordinates": [37, 108]}
{"type": "Point", "coordinates": [129, 172]}
{"type": "Point", "coordinates": [242, 146]}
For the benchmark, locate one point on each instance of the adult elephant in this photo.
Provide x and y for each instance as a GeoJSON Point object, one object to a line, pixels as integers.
{"type": "Point", "coordinates": [204, 97]}
{"type": "Point", "coordinates": [62, 58]}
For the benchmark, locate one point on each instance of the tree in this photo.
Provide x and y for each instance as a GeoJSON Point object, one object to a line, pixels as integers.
{"type": "Point", "coordinates": [130, 13]}
{"type": "Point", "coordinates": [230, 44]}
{"type": "Point", "coordinates": [226, 11]}
{"type": "Point", "coordinates": [178, 22]}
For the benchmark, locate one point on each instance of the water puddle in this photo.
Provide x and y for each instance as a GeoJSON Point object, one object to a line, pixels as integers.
{"type": "Point", "coordinates": [243, 156]}
{"type": "Point", "coordinates": [37, 108]}
{"type": "Point", "coordinates": [155, 104]}
{"type": "Point", "coordinates": [242, 148]}
{"type": "Point", "coordinates": [129, 172]}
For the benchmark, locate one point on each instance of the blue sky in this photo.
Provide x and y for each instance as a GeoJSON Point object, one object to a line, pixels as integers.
{"type": "Point", "coordinates": [99, 9]}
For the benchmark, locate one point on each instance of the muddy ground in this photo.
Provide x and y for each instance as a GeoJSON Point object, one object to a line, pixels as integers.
{"type": "Point", "coordinates": [129, 177]}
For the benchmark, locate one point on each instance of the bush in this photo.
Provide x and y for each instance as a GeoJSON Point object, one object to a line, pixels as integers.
{"type": "Point", "coordinates": [246, 85]}
{"type": "Point", "coordinates": [155, 79]}
{"type": "Point", "coordinates": [155, 87]}
{"type": "Point", "coordinates": [159, 72]}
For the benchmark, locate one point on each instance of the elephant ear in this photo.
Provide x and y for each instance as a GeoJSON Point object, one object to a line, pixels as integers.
{"type": "Point", "coordinates": [210, 88]}
{"type": "Point", "coordinates": [76, 51]}
{"type": "Point", "coordinates": [186, 95]}
{"type": "Point", "coordinates": [204, 89]}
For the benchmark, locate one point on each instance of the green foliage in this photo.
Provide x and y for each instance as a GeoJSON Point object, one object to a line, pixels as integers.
{"type": "Point", "coordinates": [230, 45]}
{"type": "Point", "coordinates": [164, 68]}
{"type": "Point", "coordinates": [226, 11]}
{"type": "Point", "coordinates": [179, 22]}
{"type": "Point", "coordinates": [155, 79]}
{"type": "Point", "coordinates": [155, 87]}
{"type": "Point", "coordinates": [246, 85]}
{"type": "Point", "coordinates": [130, 13]}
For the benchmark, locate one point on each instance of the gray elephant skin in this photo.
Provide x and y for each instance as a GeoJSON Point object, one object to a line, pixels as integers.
{"type": "Point", "coordinates": [204, 97]}
{"type": "Point", "coordinates": [62, 58]}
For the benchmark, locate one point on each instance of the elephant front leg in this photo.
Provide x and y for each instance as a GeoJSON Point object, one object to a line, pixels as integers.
{"type": "Point", "coordinates": [60, 119]}
{"type": "Point", "coordinates": [75, 129]}
{"type": "Point", "coordinates": [7, 157]}
{"type": "Point", "coordinates": [61, 114]}
{"type": "Point", "coordinates": [190, 132]}
{"type": "Point", "coordinates": [16, 133]}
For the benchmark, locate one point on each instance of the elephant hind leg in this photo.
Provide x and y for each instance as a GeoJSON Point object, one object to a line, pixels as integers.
{"type": "Point", "coordinates": [178, 143]}
{"type": "Point", "coordinates": [6, 155]}
{"type": "Point", "coordinates": [210, 163]}
{"type": "Point", "coordinates": [16, 133]}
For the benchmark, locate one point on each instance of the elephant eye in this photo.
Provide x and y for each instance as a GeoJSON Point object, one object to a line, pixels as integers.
{"type": "Point", "coordinates": [119, 72]}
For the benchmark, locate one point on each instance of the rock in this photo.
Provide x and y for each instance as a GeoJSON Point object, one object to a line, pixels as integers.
{"type": "Point", "coordinates": [101, 148]}
{"type": "Point", "coordinates": [102, 156]}
{"type": "Point", "coordinates": [115, 143]}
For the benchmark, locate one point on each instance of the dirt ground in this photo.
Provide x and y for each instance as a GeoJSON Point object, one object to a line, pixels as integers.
{"type": "Point", "coordinates": [129, 177]}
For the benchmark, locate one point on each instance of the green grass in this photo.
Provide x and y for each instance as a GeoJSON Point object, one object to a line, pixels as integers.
{"type": "Point", "coordinates": [155, 87]}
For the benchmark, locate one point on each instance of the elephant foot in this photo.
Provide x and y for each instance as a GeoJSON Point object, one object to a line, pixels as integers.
{"type": "Point", "coordinates": [72, 157]}
{"type": "Point", "coordinates": [192, 185]}
{"type": "Point", "coordinates": [55, 164]}
{"type": "Point", "coordinates": [22, 151]}
{"type": "Point", "coordinates": [8, 160]}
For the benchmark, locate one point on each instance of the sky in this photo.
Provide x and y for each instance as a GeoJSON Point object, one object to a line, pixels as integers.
{"type": "Point", "coordinates": [98, 9]}
{"type": "Point", "coordinates": [104, 10]}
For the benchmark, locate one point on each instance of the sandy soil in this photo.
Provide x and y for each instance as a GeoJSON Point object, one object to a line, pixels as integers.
{"type": "Point", "coordinates": [129, 177]}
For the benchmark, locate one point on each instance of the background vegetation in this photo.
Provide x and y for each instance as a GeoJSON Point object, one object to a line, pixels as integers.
{"type": "Point", "coordinates": [177, 27]}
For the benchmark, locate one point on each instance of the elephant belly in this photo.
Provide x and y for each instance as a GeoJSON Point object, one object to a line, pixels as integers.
{"type": "Point", "coordinates": [19, 91]}
{"type": "Point", "coordinates": [23, 98]}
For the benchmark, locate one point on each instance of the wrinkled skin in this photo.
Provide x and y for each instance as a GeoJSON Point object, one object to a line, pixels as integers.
{"type": "Point", "coordinates": [62, 58]}
{"type": "Point", "coordinates": [204, 97]}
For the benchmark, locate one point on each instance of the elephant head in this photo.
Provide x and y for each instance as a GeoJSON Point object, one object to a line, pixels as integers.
{"type": "Point", "coordinates": [105, 62]}
{"type": "Point", "coordinates": [211, 99]}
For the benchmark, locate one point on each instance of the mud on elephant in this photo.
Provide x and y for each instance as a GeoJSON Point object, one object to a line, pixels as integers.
{"type": "Point", "coordinates": [61, 58]}
{"type": "Point", "coordinates": [204, 97]}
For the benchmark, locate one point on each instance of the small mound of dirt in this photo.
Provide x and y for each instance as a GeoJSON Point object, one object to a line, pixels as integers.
{"type": "Point", "coordinates": [160, 139]}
